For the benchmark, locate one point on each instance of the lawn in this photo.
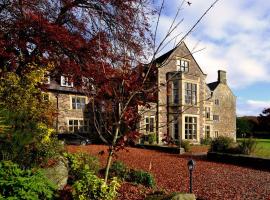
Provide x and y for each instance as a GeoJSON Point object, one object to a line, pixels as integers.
{"type": "Point", "coordinates": [211, 180]}
{"type": "Point", "coordinates": [262, 147]}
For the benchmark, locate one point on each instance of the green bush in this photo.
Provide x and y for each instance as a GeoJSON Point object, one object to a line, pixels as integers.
{"type": "Point", "coordinates": [119, 169]}
{"type": "Point", "coordinates": [79, 162]}
{"type": "Point", "coordinates": [222, 144]}
{"type": "Point", "coordinates": [186, 145]}
{"type": "Point", "coordinates": [142, 177]}
{"type": "Point", "coordinates": [152, 138]}
{"type": "Point", "coordinates": [206, 141]}
{"type": "Point", "coordinates": [247, 146]}
{"type": "Point", "coordinates": [92, 187]}
{"type": "Point", "coordinates": [16, 183]}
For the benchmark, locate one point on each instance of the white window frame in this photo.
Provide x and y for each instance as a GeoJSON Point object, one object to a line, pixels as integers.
{"type": "Point", "coordinates": [79, 126]}
{"type": "Point", "coordinates": [217, 102]}
{"type": "Point", "coordinates": [182, 65]}
{"type": "Point", "coordinates": [193, 129]}
{"type": "Point", "coordinates": [148, 124]}
{"type": "Point", "coordinates": [193, 93]}
{"type": "Point", "coordinates": [65, 82]}
{"type": "Point", "coordinates": [76, 103]}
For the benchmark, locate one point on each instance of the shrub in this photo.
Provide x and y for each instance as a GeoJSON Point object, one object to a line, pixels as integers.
{"type": "Point", "coordinates": [247, 146]}
{"type": "Point", "coordinates": [79, 162]}
{"type": "Point", "coordinates": [186, 145]}
{"type": "Point", "coordinates": [142, 177]}
{"type": "Point", "coordinates": [206, 141]}
{"type": "Point", "coordinates": [119, 169]}
{"type": "Point", "coordinates": [222, 144]}
{"type": "Point", "coordinates": [152, 138]}
{"type": "Point", "coordinates": [16, 183]}
{"type": "Point", "coordinates": [92, 187]}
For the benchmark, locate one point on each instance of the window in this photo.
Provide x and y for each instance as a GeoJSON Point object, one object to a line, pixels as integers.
{"type": "Point", "coordinates": [207, 112]}
{"type": "Point", "coordinates": [78, 125]}
{"type": "Point", "coordinates": [46, 96]}
{"type": "Point", "coordinates": [175, 92]}
{"type": "Point", "coordinates": [190, 93]}
{"type": "Point", "coordinates": [207, 131]}
{"type": "Point", "coordinates": [65, 81]}
{"type": "Point", "coordinates": [78, 102]}
{"type": "Point", "coordinates": [175, 128]}
{"type": "Point", "coordinates": [190, 127]}
{"type": "Point", "coordinates": [46, 79]}
{"type": "Point", "coordinates": [217, 102]}
{"type": "Point", "coordinates": [216, 118]}
{"type": "Point", "coordinates": [216, 134]}
{"type": "Point", "coordinates": [182, 65]}
{"type": "Point", "coordinates": [149, 124]}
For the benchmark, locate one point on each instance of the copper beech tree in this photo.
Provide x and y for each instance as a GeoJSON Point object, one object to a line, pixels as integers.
{"type": "Point", "coordinates": [104, 41]}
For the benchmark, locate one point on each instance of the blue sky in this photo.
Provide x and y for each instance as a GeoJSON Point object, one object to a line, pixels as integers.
{"type": "Point", "coordinates": [234, 37]}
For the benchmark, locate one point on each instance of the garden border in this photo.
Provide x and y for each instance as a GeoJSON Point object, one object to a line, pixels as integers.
{"type": "Point", "coordinates": [240, 159]}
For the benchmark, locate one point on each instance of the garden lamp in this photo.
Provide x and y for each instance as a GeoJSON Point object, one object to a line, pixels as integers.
{"type": "Point", "coordinates": [191, 165]}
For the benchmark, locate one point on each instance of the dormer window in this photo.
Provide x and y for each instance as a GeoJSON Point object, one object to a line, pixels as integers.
{"type": "Point", "coordinates": [46, 78]}
{"type": "Point", "coordinates": [65, 81]}
{"type": "Point", "coordinates": [182, 65]}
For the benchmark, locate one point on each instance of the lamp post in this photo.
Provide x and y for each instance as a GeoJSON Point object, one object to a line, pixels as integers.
{"type": "Point", "coordinates": [191, 165]}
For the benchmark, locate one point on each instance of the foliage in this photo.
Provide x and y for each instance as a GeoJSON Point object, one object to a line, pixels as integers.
{"type": "Point", "coordinates": [16, 183]}
{"type": "Point", "coordinates": [222, 144]}
{"type": "Point", "coordinates": [264, 119]}
{"type": "Point", "coordinates": [142, 177]}
{"type": "Point", "coordinates": [79, 162]}
{"type": "Point", "coordinates": [247, 146]}
{"type": "Point", "coordinates": [186, 145]}
{"type": "Point", "coordinates": [152, 138]}
{"type": "Point", "coordinates": [120, 170]}
{"type": "Point", "coordinates": [243, 127]}
{"type": "Point", "coordinates": [24, 112]}
{"type": "Point", "coordinates": [206, 141]}
{"type": "Point", "coordinates": [92, 187]}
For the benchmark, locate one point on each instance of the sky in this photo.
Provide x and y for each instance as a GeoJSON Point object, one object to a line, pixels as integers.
{"type": "Point", "coordinates": [234, 36]}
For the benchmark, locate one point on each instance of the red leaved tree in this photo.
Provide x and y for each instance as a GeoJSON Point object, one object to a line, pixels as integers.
{"type": "Point", "coordinates": [105, 41]}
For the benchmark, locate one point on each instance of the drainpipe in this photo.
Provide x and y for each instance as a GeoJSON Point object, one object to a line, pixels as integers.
{"type": "Point", "coordinates": [57, 107]}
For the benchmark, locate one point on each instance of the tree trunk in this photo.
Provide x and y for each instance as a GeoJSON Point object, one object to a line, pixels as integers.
{"type": "Point", "coordinates": [111, 152]}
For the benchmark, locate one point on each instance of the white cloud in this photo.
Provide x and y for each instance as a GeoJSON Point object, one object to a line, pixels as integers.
{"type": "Point", "coordinates": [251, 107]}
{"type": "Point", "coordinates": [234, 33]}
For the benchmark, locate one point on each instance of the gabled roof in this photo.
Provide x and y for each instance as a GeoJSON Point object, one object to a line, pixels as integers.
{"type": "Point", "coordinates": [165, 56]}
{"type": "Point", "coordinates": [212, 86]}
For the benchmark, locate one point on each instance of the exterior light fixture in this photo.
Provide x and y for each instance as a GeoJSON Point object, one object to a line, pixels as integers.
{"type": "Point", "coordinates": [191, 166]}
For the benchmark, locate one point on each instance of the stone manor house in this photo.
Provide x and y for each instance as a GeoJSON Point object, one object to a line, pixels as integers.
{"type": "Point", "coordinates": [187, 107]}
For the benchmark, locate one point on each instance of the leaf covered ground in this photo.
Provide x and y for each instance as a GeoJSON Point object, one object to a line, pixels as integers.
{"type": "Point", "coordinates": [211, 180]}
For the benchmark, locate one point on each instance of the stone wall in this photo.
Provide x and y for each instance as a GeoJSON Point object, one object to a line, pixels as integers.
{"type": "Point", "coordinates": [226, 111]}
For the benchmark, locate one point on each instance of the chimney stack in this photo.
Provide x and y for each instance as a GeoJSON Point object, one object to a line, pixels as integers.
{"type": "Point", "coordinates": [222, 77]}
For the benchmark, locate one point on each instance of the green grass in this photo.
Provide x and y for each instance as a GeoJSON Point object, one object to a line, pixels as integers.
{"type": "Point", "coordinates": [262, 147]}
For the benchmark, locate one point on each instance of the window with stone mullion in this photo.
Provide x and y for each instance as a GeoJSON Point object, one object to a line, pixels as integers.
{"type": "Point", "coordinates": [175, 92]}
{"type": "Point", "coordinates": [190, 93]}
{"type": "Point", "coordinates": [190, 128]}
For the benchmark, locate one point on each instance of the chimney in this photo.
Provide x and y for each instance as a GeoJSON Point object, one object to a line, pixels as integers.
{"type": "Point", "coordinates": [222, 77]}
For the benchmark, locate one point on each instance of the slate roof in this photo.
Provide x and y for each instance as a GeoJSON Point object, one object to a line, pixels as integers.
{"type": "Point", "coordinates": [212, 86]}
